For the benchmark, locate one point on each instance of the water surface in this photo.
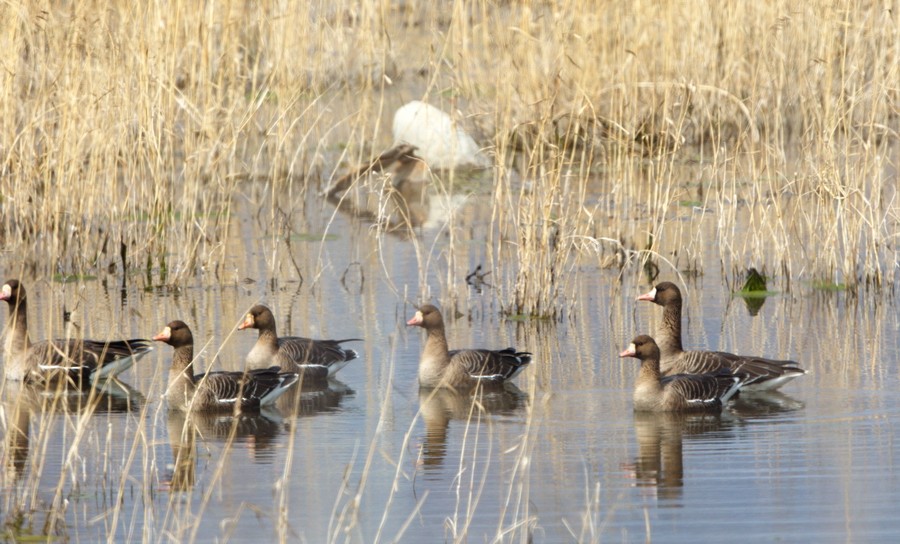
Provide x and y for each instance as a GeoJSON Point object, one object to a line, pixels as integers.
{"type": "Point", "coordinates": [560, 457]}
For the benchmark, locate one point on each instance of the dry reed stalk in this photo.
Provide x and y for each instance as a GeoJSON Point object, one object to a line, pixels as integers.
{"type": "Point", "coordinates": [659, 115]}
{"type": "Point", "coordinates": [129, 130]}
{"type": "Point", "coordinates": [344, 519]}
{"type": "Point", "coordinates": [516, 521]}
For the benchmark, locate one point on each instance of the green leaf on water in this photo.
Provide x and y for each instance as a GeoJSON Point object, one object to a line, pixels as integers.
{"type": "Point", "coordinates": [35, 538]}
{"type": "Point", "coordinates": [755, 294]}
{"type": "Point", "coordinates": [823, 285]}
{"type": "Point", "coordinates": [71, 278]}
{"type": "Point", "coordinates": [755, 283]}
{"type": "Point", "coordinates": [754, 291]}
{"type": "Point", "coordinates": [313, 237]}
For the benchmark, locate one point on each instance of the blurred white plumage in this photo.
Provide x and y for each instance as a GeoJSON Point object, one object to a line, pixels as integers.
{"type": "Point", "coordinates": [437, 138]}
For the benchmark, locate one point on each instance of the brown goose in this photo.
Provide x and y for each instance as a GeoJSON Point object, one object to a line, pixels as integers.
{"type": "Point", "coordinates": [678, 392]}
{"type": "Point", "coordinates": [217, 391]}
{"type": "Point", "coordinates": [314, 359]}
{"type": "Point", "coordinates": [68, 362]}
{"type": "Point", "coordinates": [461, 368]}
{"type": "Point", "coordinates": [762, 374]}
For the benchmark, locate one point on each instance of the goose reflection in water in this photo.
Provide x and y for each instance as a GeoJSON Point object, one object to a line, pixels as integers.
{"type": "Point", "coordinates": [660, 437]}
{"type": "Point", "coordinates": [309, 398]}
{"type": "Point", "coordinates": [17, 412]}
{"type": "Point", "coordinates": [23, 402]}
{"type": "Point", "coordinates": [660, 463]}
{"type": "Point", "coordinates": [440, 406]}
{"type": "Point", "coordinates": [255, 432]}
{"type": "Point", "coordinates": [764, 405]}
{"type": "Point", "coordinates": [182, 440]}
{"type": "Point", "coordinates": [402, 204]}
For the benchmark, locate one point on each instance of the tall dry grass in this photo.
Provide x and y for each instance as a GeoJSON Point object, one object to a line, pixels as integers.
{"type": "Point", "coordinates": [777, 124]}
{"type": "Point", "coordinates": [128, 130]}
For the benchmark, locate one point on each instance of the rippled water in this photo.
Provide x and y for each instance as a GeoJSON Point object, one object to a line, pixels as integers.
{"type": "Point", "coordinates": [559, 458]}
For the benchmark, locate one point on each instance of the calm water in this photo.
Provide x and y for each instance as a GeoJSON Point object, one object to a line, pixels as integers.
{"type": "Point", "coordinates": [560, 458]}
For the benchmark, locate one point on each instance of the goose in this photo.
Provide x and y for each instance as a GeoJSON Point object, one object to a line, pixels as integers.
{"type": "Point", "coordinates": [314, 359]}
{"type": "Point", "coordinates": [762, 374]}
{"type": "Point", "coordinates": [678, 392]}
{"type": "Point", "coordinates": [217, 391]}
{"type": "Point", "coordinates": [462, 368]}
{"type": "Point", "coordinates": [65, 362]}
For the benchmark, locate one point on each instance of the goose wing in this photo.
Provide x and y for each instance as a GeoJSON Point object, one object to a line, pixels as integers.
{"type": "Point", "coordinates": [702, 390]}
{"type": "Point", "coordinates": [113, 358]}
{"type": "Point", "coordinates": [773, 362]}
{"type": "Point", "coordinates": [494, 365]}
{"type": "Point", "coordinates": [760, 373]}
{"type": "Point", "coordinates": [250, 389]}
{"type": "Point", "coordinates": [79, 362]}
{"type": "Point", "coordinates": [694, 362]}
{"type": "Point", "coordinates": [328, 354]}
{"type": "Point", "coordinates": [317, 352]}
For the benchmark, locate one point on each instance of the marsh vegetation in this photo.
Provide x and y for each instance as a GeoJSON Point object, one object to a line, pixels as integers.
{"type": "Point", "coordinates": [129, 132]}
{"type": "Point", "coordinates": [169, 161]}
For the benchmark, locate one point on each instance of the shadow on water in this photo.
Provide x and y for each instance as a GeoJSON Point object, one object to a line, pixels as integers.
{"type": "Point", "coordinates": [764, 405]}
